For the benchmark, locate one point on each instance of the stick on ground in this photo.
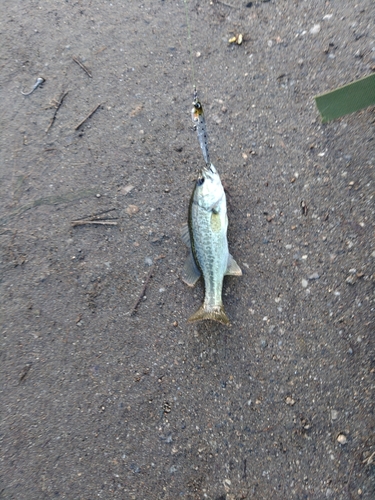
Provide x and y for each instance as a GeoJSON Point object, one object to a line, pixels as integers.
{"type": "Point", "coordinates": [143, 291]}
{"type": "Point", "coordinates": [108, 222]}
{"type": "Point", "coordinates": [97, 215]}
{"type": "Point", "coordinates": [88, 116]}
{"type": "Point", "coordinates": [141, 295]}
{"type": "Point", "coordinates": [57, 107]}
{"type": "Point", "coordinates": [81, 65]}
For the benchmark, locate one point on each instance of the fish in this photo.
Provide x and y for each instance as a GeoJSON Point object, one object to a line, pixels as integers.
{"type": "Point", "coordinates": [37, 84]}
{"type": "Point", "coordinates": [199, 121]}
{"type": "Point", "coordinates": [205, 234]}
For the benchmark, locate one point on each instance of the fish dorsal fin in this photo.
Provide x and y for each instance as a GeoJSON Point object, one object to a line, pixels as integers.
{"type": "Point", "coordinates": [233, 269]}
{"type": "Point", "coordinates": [190, 273]}
{"type": "Point", "coordinates": [185, 235]}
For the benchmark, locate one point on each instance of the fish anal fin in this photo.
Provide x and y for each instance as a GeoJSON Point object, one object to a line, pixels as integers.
{"type": "Point", "coordinates": [233, 269]}
{"type": "Point", "coordinates": [213, 314]}
{"type": "Point", "coordinates": [190, 273]}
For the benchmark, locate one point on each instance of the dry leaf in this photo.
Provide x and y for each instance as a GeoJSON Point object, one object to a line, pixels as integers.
{"type": "Point", "coordinates": [132, 210]}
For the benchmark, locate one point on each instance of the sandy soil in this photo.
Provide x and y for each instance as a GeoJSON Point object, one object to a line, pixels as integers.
{"type": "Point", "coordinates": [98, 403]}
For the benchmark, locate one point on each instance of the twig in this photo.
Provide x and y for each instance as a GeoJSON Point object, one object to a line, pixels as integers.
{"type": "Point", "coordinates": [369, 460]}
{"type": "Point", "coordinates": [81, 65]}
{"type": "Point", "coordinates": [96, 216]}
{"type": "Point", "coordinates": [25, 371]}
{"type": "Point", "coordinates": [138, 301]}
{"type": "Point", "coordinates": [350, 476]}
{"type": "Point", "coordinates": [58, 106]}
{"type": "Point", "coordinates": [88, 116]}
{"type": "Point", "coordinates": [109, 222]}
{"type": "Point", "coordinates": [143, 291]}
{"type": "Point", "coordinates": [226, 4]}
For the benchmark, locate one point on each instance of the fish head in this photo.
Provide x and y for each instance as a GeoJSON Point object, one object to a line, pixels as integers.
{"type": "Point", "coordinates": [209, 190]}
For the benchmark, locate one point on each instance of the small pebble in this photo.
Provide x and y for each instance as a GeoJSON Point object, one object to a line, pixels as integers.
{"type": "Point", "coordinates": [342, 439]}
{"type": "Point", "coordinates": [304, 283]}
{"type": "Point", "coordinates": [289, 401]}
{"type": "Point", "coordinates": [315, 29]}
{"type": "Point", "coordinates": [263, 343]}
{"type": "Point", "coordinates": [351, 279]}
{"type": "Point", "coordinates": [135, 468]}
{"type": "Point", "coordinates": [126, 189]}
{"type": "Point", "coordinates": [334, 414]}
{"type": "Point", "coordinates": [314, 276]}
{"type": "Point", "coordinates": [148, 261]}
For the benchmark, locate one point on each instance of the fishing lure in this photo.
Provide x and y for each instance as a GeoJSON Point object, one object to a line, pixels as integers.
{"type": "Point", "coordinates": [200, 126]}
{"type": "Point", "coordinates": [37, 84]}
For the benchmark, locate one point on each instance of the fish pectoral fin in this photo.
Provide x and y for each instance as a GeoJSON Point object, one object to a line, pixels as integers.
{"type": "Point", "coordinates": [233, 269]}
{"type": "Point", "coordinates": [185, 235]}
{"type": "Point", "coordinates": [190, 273]}
{"type": "Point", "coordinates": [215, 222]}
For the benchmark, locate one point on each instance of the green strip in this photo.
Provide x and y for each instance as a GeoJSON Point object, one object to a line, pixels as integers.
{"type": "Point", "coordinates": [347, 99]}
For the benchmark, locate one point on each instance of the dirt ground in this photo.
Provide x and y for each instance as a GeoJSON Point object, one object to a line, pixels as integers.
{"type": "Point", "coordinates": [97, 402]}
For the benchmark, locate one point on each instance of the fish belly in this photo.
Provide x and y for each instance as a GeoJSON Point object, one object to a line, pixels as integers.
{"type": "Point", "coordinates": [210, 249]}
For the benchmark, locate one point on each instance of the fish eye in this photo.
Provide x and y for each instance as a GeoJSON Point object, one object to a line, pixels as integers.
{"type": "Point", "coordinates": [200, 181]}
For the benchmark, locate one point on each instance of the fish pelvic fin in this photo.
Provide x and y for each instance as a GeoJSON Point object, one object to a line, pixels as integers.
{"type": "Point", "coordinates": [190, 273]}
{"type": "Point", "coordinates": [185, 235]}
{"type": "Point", "coordinates": [233, 269]}
{"type": "Point", "coordinates": [213, 313]}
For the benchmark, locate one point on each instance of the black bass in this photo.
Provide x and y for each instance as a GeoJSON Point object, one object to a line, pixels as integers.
{"type": "Point", "coordinates": [206, 236]}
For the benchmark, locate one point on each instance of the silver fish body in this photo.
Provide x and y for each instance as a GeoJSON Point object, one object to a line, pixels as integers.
{"type": "Point", "coordinates": [206, 236]}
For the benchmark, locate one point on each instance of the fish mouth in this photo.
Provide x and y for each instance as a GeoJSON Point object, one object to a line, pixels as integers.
{"type": "Point", "coordinates": [206, 174]}
{"type": "Point", "coordinates": [208, 171]}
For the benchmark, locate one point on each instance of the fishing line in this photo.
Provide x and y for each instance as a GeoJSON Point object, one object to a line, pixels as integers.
{"type": "Point", "coordinates": [190, 47]}
{"type": "Point", "coordinates": [197, 111]}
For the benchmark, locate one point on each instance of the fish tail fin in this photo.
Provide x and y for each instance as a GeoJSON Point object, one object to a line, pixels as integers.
{"type": "Point", "coordinates": [214, 314]}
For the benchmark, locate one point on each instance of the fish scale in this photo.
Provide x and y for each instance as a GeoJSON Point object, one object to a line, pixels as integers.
{"type": "Point", "coordinates": [210, 250]}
